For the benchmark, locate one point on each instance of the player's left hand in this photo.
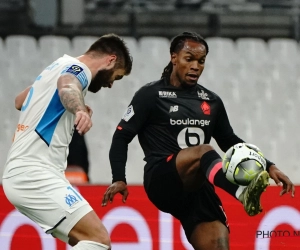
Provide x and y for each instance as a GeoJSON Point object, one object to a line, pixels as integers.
{"type": "Point", "coordinates": [281, 179]}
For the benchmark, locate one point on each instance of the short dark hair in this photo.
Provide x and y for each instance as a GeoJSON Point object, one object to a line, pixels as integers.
{"type": "Point", "coordinates": [112, 44]}
{"type": "Point", "coordinates": [177, 45]}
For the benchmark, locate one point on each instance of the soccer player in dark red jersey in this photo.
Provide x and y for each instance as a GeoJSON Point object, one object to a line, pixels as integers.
{"type": "Point", "coordinates": [175, 119]}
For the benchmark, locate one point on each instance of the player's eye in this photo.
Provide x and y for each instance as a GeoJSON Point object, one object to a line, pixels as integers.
{"type": "Point", "coordinates": [202, 60]}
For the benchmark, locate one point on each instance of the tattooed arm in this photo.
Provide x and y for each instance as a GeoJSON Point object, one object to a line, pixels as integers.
{"type": "Point", "coordinates": [70, 93]}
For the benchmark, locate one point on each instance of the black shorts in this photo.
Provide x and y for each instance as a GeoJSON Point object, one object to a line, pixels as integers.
{"type": "Point", "coordinates": [165, 190]}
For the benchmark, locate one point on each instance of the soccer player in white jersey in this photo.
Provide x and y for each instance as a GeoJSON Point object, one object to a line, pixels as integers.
{"type": "Point", "coordinates": [51, 109]}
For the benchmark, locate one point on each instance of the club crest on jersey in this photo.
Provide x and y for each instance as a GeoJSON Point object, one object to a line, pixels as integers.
{"type": "Point", "coordinates": [70, 200]}
{"type": "Point", "coordinates": [203, 95]}
{"type": "Point", "coordinates": [167, 94]}
{"type": "Point", "coordinates": [128, 114]}
{"type": "Point", "coordinates": [205, 108]}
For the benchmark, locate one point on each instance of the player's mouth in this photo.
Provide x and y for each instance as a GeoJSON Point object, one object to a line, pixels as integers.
{"type": "Point", "coordinates": [192, 77]}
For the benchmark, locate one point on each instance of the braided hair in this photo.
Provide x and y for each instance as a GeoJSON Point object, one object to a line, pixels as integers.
{"type": "Point", "coordinates": [177, 44]}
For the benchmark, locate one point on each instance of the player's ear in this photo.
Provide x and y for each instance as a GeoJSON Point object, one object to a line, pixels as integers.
{"type": "Point", "coordinates": [174, 58]}
{"type": "Point", "coordinates": [111, 61]}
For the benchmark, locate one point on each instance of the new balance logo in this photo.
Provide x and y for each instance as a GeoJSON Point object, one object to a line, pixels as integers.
{"type": "Point", "coordinates": [203, 95]}
{"type": "Point", "coordinates": [173, 108]}
{"type": "Point", "coordinates": [167, 94]}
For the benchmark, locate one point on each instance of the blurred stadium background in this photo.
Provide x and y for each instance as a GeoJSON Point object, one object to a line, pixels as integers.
{"type": "Point", "coordinates": [253, 64]}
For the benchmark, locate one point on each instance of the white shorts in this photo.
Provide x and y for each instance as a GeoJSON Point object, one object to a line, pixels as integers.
{"type": "Point", "coordinates": [47, 198]}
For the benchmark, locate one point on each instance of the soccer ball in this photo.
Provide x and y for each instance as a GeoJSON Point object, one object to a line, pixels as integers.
{"type": "Point", "coordinates": [242, 162]}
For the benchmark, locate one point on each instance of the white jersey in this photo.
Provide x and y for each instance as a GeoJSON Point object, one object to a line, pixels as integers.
{"type": "Point", "coordinates": [45, 127]}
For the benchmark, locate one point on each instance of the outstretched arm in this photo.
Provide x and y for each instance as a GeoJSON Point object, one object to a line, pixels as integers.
{"type": "Point", "coordinates": [19, 100]}
{"type": "Point", "coordinates": [70, 93]}
{"type": "Point", "coordinates": [118, 158]}
{"type": "Point", "coordinates": [226, 138]}
{"type": "Point", "coordinates": [133, 120]}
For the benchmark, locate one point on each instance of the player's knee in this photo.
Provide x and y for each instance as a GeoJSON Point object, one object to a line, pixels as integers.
{"type": "Point", "coordinates": [95, 233]}
{"type": "Point", "coordinates": [101, 237]}
{"type": "Point", "coordinates": [210, 235]}
{"type": "Point", "coordinates": [204, 148]}
{"type": "Point", "coordinates": [106, 241]}
{"type": "Point", "coordinates": [219, 243]}
{"type": "Point", "coordinates": [91, 245]}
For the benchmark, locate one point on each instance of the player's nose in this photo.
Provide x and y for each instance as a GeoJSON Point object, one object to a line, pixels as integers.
{"type": "Point", "coordinates": [195, 66]}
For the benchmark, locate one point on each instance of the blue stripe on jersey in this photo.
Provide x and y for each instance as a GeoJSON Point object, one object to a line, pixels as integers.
{"type": "Point", "coordinates": [48, 123]}
{"type": "Point", "coordinates": [24, 106]}
{"type": "Point", "coordinates": [78, 72]}
{"type": "Point", "coordinates": [38, 78]}
{"type": "Point", "coordinates": [83, 79]}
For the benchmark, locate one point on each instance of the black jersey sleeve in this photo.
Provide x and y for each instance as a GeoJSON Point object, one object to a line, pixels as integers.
{"type": "Point", "coordinates": [223, 132]}
{"type": "Point", "coordinates": [139, 109]}
{"type": "Point", "coordinates": [224, 135]}
{"type": "Point", "coordinates": [133, 120]}
{"type": "Point", "coordinates": [118, 154]}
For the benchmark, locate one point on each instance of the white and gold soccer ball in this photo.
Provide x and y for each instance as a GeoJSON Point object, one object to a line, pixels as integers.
{"type": "Point", "coordinates": [242, 162]}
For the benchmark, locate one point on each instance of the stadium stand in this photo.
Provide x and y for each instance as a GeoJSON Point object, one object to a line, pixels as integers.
{"type": "Point", "coordinates": [257, 80]}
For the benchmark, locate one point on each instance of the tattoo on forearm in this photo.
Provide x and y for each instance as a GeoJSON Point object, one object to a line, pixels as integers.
{"type": "Point", "coordinates": [72, 100]}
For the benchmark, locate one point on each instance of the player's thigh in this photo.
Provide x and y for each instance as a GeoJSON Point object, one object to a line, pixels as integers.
{"type": "Point", "coordinates": [204, 206]}
{"type": "Point", "coordinates": [89, 227]}
{"type": "Point", "coordinates": [47, 198]}
{"type": "Point", "coordinates": [210, 236]}
{"type": "Point", "coordinates": [164, 186]}
{"type": "Point", "coordinates": [188, 163]}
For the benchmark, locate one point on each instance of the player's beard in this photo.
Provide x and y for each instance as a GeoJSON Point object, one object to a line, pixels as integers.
{"type": "Point", "coordinates": [103, 78]}
{"type": "Point", "coordinates": [186, 85]}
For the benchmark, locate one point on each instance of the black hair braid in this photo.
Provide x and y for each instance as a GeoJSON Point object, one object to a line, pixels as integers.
{"type": "Point", "coordinates": [167, 70]}
{"type": "Point", "coordinates": [178, 43]}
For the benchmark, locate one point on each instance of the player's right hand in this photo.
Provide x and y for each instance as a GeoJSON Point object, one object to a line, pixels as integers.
{"type": "Point", "coordinates": [83, 122]}
{"type": "Point", "coordinates": [112, 190]}
{"type": "Point", "coordinates": [89, 110]}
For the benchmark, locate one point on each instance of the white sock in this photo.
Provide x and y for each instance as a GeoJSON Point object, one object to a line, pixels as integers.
{"type": "Point", "coordinates": [90, 245]}
{"type": "Point", "coordinates": [239, 191]}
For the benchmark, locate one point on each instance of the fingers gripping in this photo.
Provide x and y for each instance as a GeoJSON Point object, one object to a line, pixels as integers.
{"type": "Point", "coordinates": [83, 122]}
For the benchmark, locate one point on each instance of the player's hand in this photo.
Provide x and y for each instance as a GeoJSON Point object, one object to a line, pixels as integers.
{"type": "Point", "coordinates": [112, 190]}
{"type": "Point", "coordinates": [281, 179]}
{"type": "Point", "coordinates": [82, 122]}
{"type": "Point", "coordinates": [89, 110]}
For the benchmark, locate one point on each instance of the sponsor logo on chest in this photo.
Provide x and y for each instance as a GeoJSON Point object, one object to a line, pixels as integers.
{"type": "Point", "coordinates": [189, 122]}
{"type": "Point", "coordinates": [167, 94]}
